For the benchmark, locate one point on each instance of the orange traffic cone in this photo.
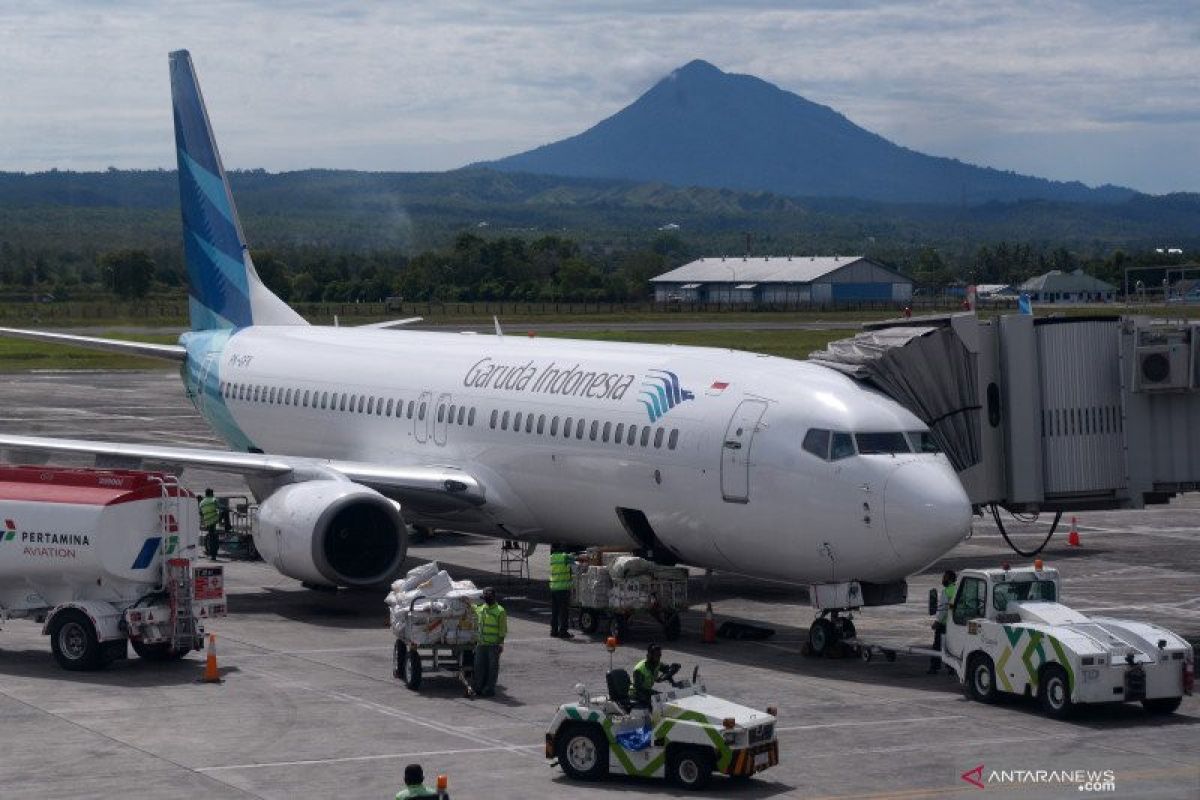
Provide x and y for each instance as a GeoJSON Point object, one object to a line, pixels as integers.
{"type": "Point", "coordinates": [211, 674]}
{"type": "Point", "coordinates": [1073, 536]}
{"type": "Point", "coordinates": [710, 628]}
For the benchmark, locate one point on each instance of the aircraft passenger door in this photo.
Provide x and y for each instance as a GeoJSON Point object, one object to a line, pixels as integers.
{"type": "Point", "coordinates": [440, 419]}
{"type": "Point", "coordinates": [735, 451]}
{"type": "Point", "coordinates": [422, 416]}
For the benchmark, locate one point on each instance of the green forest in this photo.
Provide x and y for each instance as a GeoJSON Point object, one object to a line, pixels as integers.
{"type": "Point", "coordinates": [477, 235]}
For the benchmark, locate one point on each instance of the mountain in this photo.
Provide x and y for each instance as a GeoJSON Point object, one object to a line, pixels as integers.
{"type": "Point", "coordinates": [700, 126]}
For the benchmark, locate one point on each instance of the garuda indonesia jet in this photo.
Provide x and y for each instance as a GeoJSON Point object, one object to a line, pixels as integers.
{"type": "Point", "coordinates": [726, 460]}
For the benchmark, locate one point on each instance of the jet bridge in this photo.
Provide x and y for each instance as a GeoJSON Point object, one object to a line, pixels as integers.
{"type": "Point", "coordinates": [1055, 414]}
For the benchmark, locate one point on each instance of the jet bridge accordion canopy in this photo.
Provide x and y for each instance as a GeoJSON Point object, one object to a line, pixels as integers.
{"type": "Point", "coordinates": [1057, 413]}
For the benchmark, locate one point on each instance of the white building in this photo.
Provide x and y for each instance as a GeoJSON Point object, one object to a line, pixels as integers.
{"type": "Point", "coordinates": [782, 280]}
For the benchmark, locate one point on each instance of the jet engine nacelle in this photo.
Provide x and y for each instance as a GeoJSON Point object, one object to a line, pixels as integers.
{"type": "Point", "coordinates": [332, 533]}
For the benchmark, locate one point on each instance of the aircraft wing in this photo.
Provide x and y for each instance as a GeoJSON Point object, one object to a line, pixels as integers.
{"type": "Point", "coordinates": [171, 352]}
{"type": "Point", "coordinates": [436, 489]}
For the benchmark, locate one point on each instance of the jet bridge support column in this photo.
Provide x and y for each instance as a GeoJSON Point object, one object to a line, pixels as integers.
{"type": "Point", "coordinates": [1022, 410]}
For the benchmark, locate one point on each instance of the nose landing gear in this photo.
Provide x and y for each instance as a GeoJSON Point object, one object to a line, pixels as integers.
{"type": "Point", "coordinates": [828, 635]}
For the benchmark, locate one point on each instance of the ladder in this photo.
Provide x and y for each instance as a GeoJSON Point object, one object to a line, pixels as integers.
{"type": "Point", "coordinates": [514, 560]}
{"type": "Point", "coordinates": [176, 568]}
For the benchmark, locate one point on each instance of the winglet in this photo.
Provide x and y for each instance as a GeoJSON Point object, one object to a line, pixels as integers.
{"type": "Point", "coordinates": [224, 289]}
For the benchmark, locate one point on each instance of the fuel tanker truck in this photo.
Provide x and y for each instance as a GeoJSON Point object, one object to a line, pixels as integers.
{"type": "Point", "coordinates": [104, 558]}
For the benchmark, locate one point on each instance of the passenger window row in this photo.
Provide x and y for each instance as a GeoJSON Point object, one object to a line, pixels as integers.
{"type": "Point", "coordinates": [594, 430]}
{"type": "Point", "coordinates": [323, 400]}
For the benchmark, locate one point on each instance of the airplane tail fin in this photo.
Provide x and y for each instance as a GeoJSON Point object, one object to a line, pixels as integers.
{"type": "Point", "coordinates": [224, 290]}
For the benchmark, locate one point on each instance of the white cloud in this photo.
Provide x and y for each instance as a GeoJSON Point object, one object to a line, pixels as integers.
{"type": "Point", "coordinates": [432, 86]}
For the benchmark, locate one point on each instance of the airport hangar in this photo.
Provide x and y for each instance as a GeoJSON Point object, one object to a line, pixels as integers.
{"type": "Point", "coordinates": [782, 279]}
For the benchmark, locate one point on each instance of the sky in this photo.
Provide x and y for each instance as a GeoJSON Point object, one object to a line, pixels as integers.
{"type": "Point", "coordinates": [1101, 92]}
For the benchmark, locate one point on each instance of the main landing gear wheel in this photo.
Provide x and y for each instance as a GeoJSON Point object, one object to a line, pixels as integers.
{"type": "Point", "coordinates": [822, 636]}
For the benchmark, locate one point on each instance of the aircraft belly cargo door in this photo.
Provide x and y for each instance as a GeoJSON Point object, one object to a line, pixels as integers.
{"type": "Point", "coordinates": [735, 451]}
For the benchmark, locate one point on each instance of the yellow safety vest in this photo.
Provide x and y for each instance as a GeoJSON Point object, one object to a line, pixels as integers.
{"type": "Point", "coordinates": [209, 513]}
{"type": "Point", "coordinates": [493, 623]}
{"type": "Point", "coordinates": [947, 600]}
{"type": "Point", "coordinates": [560, 572]}
{"type": "Point", "coordinates": [643, 680]}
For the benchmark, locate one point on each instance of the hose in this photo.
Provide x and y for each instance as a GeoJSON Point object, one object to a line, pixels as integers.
{"type": "Point", "coordinates": [1017, 550]}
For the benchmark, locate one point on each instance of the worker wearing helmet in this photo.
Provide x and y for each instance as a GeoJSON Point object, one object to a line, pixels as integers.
{"type": "Point", "coordinates": [945, 600]}
{"type": "Point", "coordinates": [210, 513]}
{"type": "Point", "coordinates": [646, 673]}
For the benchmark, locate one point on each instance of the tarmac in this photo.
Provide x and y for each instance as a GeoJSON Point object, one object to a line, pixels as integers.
{"type": "Point", "coordinates": [309, 706]}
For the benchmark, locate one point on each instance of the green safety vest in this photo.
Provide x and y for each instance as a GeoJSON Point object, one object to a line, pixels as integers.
{"type": "Point", "coordinates": [947, 600]}
{"type": "Point", "coordinates": [209, 513]}
{"type": "Point", "coordinates": [493, 623]}
{"type": "Point", "coordinates": [560, 572]}
{"type": "Point", "coordinates": [419, 790]}
{"type": "Point", "coordinates": [643, 680]}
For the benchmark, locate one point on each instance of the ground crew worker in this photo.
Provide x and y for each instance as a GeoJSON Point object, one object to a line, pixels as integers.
{"type": "Point", "coordinates": [210, 513]}
{"type": "Point", "coordinates": [943, 614]}
{"type": "Point", "coordinates": [560, 591]}
{"type": "Point", "coordinates": [414, 784]}
{"type": "Point", "coordinates": [492, 621]}
{"type": "Point", "coordinates": [646, 673]}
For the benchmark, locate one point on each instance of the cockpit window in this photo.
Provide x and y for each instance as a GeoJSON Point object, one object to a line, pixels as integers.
{"type": "Point", "coordinates": [923, 442]}
{"type": "Point", "coordinates": [882, 443]}
{"type": "Point", "coordinates": [842, 446]}
{"type": "Point", "coordinates": [816, 441]}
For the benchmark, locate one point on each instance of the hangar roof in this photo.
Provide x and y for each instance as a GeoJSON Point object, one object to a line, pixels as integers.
{"type": "Point", "coordinates": [763, 269]}
{"type": "Point", "coordinates": [1059, 281]}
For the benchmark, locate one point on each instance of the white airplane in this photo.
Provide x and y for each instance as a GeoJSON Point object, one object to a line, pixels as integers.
{"type": "Point", "coordinates": [726, 460]}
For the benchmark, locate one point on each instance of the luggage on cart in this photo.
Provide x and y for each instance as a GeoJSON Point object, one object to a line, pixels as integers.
{"type": "Point", "coordinates": [611, 588]}
{"type": "Point", "coordinates": [433, 620]}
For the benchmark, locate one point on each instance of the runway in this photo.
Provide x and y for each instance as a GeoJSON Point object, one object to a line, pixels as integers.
{"type": "Point", "coordinates": [309, 707]}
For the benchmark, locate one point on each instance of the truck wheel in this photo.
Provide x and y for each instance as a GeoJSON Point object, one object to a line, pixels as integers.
{"type": "Point", "coordinates": [821, 637]}
{"type": "Point", "coordinates": [158, 651]}
{"type": "Point", "coordinates": [981, 679]}
{"type": "Point", "coordinates": [74, 642]}
{"type": "Point", "coordinates": [689, 767]}
{"type": "Point", "coordinates": [1054, 692]}
{"type": "Point", "coordinates": [410, 669]}
{"type": "Point", "coordinates": [582, 752]}
{"type": "Point", "coordinates": [848, 629]}
{"type": "Point", "coordinates": [1162, 705]}
{"type": "Point", "coordinates": [671, 627]}
{"type": "Point", "coordinates": [589, 621]}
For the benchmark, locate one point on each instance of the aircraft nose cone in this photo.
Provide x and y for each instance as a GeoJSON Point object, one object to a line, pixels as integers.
{"type": "Point", "coordinates": [926, 512]}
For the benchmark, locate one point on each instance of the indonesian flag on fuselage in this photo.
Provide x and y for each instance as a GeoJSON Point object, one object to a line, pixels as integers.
{"type": "Point", "coordinates": [717, 387]}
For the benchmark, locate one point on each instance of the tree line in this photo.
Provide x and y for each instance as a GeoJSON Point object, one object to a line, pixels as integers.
{"type": "Point", "coordinates": [474, 267]}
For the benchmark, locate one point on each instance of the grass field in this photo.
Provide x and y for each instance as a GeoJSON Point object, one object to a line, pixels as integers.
{"type": "Point", "coordinates": [18, 355]}
{"type": "Point", "coordinates": [789, 344]}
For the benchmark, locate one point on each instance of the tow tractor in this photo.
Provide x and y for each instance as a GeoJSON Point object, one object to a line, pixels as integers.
{"type": "Point", "coordinates": [1007, 633]}
{"type": "Point", "coordinates": [685, 735]}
